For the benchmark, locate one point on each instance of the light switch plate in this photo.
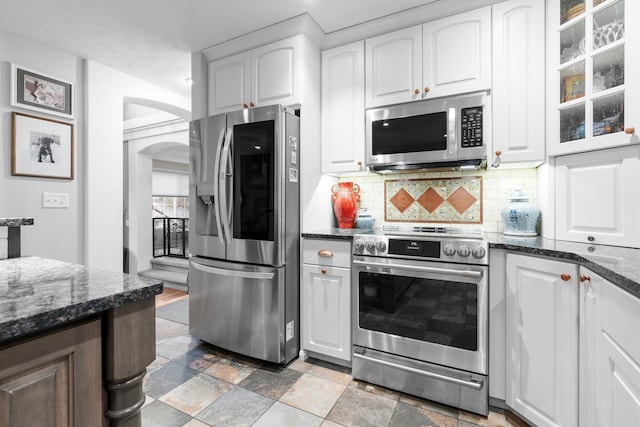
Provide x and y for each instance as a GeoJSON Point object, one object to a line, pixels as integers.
{"type": "Point", "coordinates": [55, 200]}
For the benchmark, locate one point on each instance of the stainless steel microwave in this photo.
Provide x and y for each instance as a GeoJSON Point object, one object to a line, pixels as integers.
{"type": "Point", "coordinates": [449, 132]}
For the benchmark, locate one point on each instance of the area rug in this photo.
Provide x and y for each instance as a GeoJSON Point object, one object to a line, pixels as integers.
{"type": "Point", "coordinates": [176, 311]}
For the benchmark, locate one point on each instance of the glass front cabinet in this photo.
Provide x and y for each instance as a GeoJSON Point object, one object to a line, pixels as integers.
{"type": "Point", "coordinates": [594, 87]}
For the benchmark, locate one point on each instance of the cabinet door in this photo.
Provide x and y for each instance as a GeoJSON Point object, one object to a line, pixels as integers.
{"type": "Point", "coordinates": [619, 392]}
{"type": "Point", "coordinates": [343, 108]}
{"type": "Point", "coordinates": [596, 197]}
{"type": "Point", "coordinates": [326, 311]}
{"type": "Point", "coordinates": [276, 73]}
{"type": "Point", "coordinates": [229, 83]}
{"type": "Point", "coordinates": [518, 82]}
{"type": "Point", "coordinates": [54, 379]}
{"type": "Point", "coordinates": [394, 67]}
{"type": "Point", "coordinates": [594, 75]}
{"type": "Point", "coordinates": [590, 348]}
{"type": "Point", "coordinates": [457, 54]}
{"type": "Point", "coordinates": [542, 340]}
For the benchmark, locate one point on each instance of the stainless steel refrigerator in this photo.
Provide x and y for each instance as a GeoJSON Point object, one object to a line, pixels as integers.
{"type": "Point", "coordinates": [244, 232]}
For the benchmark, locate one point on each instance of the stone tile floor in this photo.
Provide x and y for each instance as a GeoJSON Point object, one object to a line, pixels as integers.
{"type": "Point", "coordinates": [193, 384]}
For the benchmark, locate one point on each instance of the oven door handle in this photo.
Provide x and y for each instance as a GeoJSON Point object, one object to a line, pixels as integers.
{"type": "Point", "coordinates": [473, 384]}
{"type": "Point", "coordinates": [467, 273]}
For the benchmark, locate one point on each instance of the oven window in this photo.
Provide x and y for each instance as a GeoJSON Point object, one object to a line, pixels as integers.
{"type": "Point", "coordinates": [436, 311]}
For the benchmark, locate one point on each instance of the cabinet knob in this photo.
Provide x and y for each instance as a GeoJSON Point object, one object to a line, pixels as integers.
{"type": "Point", "coordinates": [323, 271]}
{"type": "Point", "coordinates": [426, 89]}
{"type": "Point", "coordinates": [629, 130]}
{"type": "Point", "coordinates": [584, 278]}
{"type": "Point", "coordinates": [417, 91]}
{"type": "Point", "coordinates": [251, 104]}
{"type": "Point", "coordinates": [498, 153]}
{"type": "Point", "coordinates": [245, 106]}
{"type": "Point", "coordinates": [325, 253]}
{"type": "Point", "coordinates": [359, 162]}
{"type": "Point", "coordinates": [565, 277]}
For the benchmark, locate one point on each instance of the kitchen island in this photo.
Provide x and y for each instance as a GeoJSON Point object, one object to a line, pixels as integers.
{"type": "Point", "coordinates": [75, 342]}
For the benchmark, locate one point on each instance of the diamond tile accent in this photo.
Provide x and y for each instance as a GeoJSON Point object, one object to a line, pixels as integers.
{"type": "Point", "coordinates": [402, 200]}
{"type": "Point", "coordinates": [461, 200]}
{"type": "Point", "coordinates": [430, 200]}
{"type": "Point", "coordinates": [439, 200]}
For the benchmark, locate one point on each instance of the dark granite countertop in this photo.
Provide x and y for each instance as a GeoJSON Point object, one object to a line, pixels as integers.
{"type": "Point", "coordinates": [620, 266]}
{"type": "Point", "coordinates": [15, 222]}
{"type": "Point", "coordinates": [38, 294]}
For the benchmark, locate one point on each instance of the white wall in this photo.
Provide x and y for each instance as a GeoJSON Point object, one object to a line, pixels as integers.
{"type": "Point", "coordinates": [106, 90]}
{"type": "Point", "coordinates": [56, 233]}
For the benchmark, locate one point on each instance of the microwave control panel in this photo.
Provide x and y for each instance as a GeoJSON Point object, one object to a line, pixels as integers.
{"type": "Point", "coordinates": [471, 128]}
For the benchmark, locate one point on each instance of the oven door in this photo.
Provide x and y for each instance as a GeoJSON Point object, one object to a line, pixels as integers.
{"type": "Point", "coordinates": [429, 311]}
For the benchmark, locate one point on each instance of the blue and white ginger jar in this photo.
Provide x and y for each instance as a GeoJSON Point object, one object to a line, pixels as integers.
{"type": "Point", "coordinates": [520, 217]}
{"type": "Point", "coordinates": [364, 219]}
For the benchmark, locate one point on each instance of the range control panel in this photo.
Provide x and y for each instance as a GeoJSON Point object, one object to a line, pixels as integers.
{"type": "Point", "coordinates": [467, 251]}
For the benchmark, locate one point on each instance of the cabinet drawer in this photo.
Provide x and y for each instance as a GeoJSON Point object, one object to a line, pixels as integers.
{"type": "Point", "coordinates": [334, 252]}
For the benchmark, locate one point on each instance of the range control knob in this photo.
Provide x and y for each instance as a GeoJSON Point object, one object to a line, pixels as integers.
{"type": "Point", "coordinates": [463, 251]}
{"type": "Point", "coordinates": [358, 245]}
{"type": "Point", "coordinates": [478, 252]}
{"type": "Point", "coordinates": [369, 245]}
{"type": "Point", "coordinates": [381, 246]}
{"type": "Point", "coordinates": [449, 249]}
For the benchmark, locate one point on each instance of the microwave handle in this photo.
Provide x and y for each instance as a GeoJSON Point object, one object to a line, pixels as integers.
{"type": "Point", "coordinates": [452, 133]}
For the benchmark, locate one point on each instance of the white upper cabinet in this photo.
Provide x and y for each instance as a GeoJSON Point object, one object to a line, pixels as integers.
{"type": "Point", "coordinates": [593, 89]}
{"type": "Point", "coordinates": [596, 197]}
{"type": "Point", "coordinates": [229, 83]}
{"type": "Point", "coordinates": [457, 54]}
{"type": "Point", "coordinates": [266, 75]}
{"type": "Point", "coordinates": [275, 73]}
{"type": "Point", "coordinates": [443, 57]}
{"type": "Point", "coordinates": [394, 67]}
{"type": "Point", "coordinates": [518, 83]}
{"type": "Point", "coordinates": [343, 108]}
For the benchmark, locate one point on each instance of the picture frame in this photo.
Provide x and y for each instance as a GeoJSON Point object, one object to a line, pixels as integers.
{"type": "Point", "coordinates": [38, 92]}
{"type": "Point", "coordinates": [41, 147]}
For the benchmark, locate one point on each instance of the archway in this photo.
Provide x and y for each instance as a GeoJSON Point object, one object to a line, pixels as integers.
{"type": "Point", "coordinates": [144, 138]}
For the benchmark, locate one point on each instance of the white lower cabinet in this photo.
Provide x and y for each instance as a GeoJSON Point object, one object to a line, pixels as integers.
{"type": "Point", "coordinates": [325, 309]}
{"type": "Point", "coordinates": [617, 395]}
{"type": "Point", "coordinates": [573, 354]}
{"type": "Point", "coordinates": [542, 300]}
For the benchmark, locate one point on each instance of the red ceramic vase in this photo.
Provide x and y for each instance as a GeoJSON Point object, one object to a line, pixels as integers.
{"type": "Point", "coordinates": [345, 197]}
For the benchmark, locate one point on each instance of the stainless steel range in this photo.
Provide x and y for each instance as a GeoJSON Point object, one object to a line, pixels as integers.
{"type": "Point", "coordinates": [420, 299]}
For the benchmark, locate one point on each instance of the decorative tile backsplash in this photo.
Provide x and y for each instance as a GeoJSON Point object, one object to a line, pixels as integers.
{"type": "Point", "coordinates": [437, 200]}
{"type": "Point", "coordinates": [421, 204]}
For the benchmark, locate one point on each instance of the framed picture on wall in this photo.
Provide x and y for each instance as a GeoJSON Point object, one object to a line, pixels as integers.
{"type": "Point", "coordinates": [38, 92]}
{"type": "Point", "coordinates": [41, 147]}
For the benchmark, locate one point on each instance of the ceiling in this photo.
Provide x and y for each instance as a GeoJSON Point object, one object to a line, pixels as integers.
{"type": "Point", "coordinates": [153, 39]}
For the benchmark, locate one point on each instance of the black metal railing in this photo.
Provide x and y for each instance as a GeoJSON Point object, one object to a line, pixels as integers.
{"type": "Point", "coordinates": [170, 237]}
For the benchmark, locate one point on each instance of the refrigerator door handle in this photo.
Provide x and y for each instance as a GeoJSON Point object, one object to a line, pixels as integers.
{"type": "Point", "coordinates": [233, 273]}
{"type": "Point", "coordinates": [225, 161]}
{"type": "Point", "coordinates": [216, 188]}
